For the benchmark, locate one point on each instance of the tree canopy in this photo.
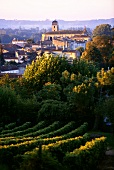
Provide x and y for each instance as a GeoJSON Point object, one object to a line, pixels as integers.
{"type": "Point", "coordinates": [100, 50]}
{"type": "Point", "coordinates": [103, 29]}
{"type": "Point", "coordinates": [45, 69]}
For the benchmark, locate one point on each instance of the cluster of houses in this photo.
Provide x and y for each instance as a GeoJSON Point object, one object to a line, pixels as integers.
{"type": "Point", "coordinates": [56, 42]}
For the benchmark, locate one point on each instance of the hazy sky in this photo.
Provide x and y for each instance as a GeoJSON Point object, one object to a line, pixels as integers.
{"type": "Point", "coordinates": [56, 9]}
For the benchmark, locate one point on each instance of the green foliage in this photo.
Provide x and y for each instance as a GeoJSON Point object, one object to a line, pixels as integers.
{"type": "Point", "coordinates": [77, 132]}
{"type": "Point", "coordinates": [49, 91]}
{"type": "Point", "coordinates": [61, 131]}
{"type": "Point", "coordinates": [86, 157]}
{"type": "Point", "coordinates": [22, 88]}
{"type": "Point", "coordinates": [85, 68]}
{"type": "Point", "coordinates": [10, 125]}
{"type": "Point", "coordinates": [10, 132]}
{"type": "Point", "coordinates": [104, 45]}
{"type": "Point", "coordinates": [111, 58]}
{"type": "Point", "coordinates": [100, 49]}
{"type": "Point", "coordinates": [28, 109]}
{"type": "Point", "coordinates": [8, 101]}
{"type": "Point", "coordinates": [106, 77]}
{"type": "Point", "coordinates": [5, 80]}
{"type": "Point", "coordinates": [14, 108]}
{"type": "Point", "coordinates": [80, 49]}
{"type": "Point", "coordinates": [33, 153]}
{"type": "Point", "coordinates": [44, 130]}
{"type": "Point", "coordinates": [53, 110]}
{"type": "Point", "coordinates": [44, 162]}
{"type": "Point", "coordinates": [56, 93]}
{"type": "Point", "coordinates": [45, 69]}
{"type": "Point", "coordinates": [106, 81]}
{"type": "Point", "coordinates": [103, 29]}
{"type": "Point", "coordinates": [3, 167]}
{"type": "Point", "coordinates": [92, 53]}
{"type": "Point", "coordinates": [82, 96]}
{"type": "Point", "coordinates": [59, 148]}
{"type": "Point", "coordinates": [19, 131]}
{"type": "Point", "coordinates": [106, 109]}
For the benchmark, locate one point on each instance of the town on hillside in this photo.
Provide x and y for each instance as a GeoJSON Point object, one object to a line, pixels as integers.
{"type": "Point", "coordinates": [57, 98]}
{"type": "Point", "coordinates": [25, 46]}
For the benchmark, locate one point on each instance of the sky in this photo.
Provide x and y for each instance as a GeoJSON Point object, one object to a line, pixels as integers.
{"type": "Point", "coordinates": [68, 10]}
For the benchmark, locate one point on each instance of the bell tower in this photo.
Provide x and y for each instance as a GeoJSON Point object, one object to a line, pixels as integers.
{"type": "Point", "coordinates": [55, 26]}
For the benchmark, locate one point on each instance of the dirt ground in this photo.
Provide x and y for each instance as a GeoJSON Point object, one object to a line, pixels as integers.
{"type": "Point", "coordinates": [108, 162]}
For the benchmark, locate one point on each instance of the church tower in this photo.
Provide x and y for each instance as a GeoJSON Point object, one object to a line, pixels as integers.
{"type": "Point", "coordinates": [55, 26]}
{"type": "Point", "coordinates": [85, 31]}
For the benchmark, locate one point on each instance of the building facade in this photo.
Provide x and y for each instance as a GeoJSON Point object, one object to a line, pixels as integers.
{"type": "Point", "coordinates": [72, 34]}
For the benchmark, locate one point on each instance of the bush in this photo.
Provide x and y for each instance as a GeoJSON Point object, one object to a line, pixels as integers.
{"type": "Point", "coordinates": [42, 160]}
{"type": "Point", "coordinates": [86, 157]}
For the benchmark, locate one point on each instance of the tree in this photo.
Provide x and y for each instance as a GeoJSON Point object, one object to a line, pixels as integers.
{"type": "Point", "coordinates": [103, 29]}
{"type": "Point", "coordinates": [103, 43]}
{"type": "Point", "coordinates": [111, 58]}
{"type": "Point", "coordinates": [50, 91]}
{"type": "Point", "coordinates": [106, 80]}
{"type": "Point", "coordinates": [105, 108]}
{"type": "Point", "coordinates": [80, 49]}
{"type": "Point", "coordinates": [84, 67]}
{"type": "Point", "coordinates": [99, 50]}
{"type": "Point", "coordinates": [105, 86]}
{"type": "Point", "coordinates": [92, 53]}
{"type": "Point", "coordinates": [81, 95]}
{"type": "Point", "coordinates": [45, 69]}
{"type": "Point", "coordinates": [8, 103]}
{"type": "Point", "coordinates": [53, 110]}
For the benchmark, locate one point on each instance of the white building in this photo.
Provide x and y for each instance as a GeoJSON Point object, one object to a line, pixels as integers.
{"type": "Point", "coordinates": [20, 43]}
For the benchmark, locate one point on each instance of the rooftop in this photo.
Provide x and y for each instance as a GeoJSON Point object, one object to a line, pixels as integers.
{"type": "Point", "coordinates": [66, 32]}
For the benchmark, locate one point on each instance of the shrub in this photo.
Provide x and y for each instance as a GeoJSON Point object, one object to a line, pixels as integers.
{"type": "Point", "coordinates": [42, 160]}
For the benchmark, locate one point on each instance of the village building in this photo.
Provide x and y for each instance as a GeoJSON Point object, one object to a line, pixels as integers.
{"type": "Point", "coordinates": [70, 39]}
{"type": "Point", "coordinates": [80, 34]}
{"type": "Point", "coordinates": [69, 54]}
{"type": "Point", "coordinates": [20, 43]}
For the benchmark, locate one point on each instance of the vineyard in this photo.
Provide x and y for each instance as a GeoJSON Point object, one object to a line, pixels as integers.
{"type": "Point", "coordinates": [71, 145]}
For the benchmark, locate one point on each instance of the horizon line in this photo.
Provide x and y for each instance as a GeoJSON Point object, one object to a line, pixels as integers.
{"type": "Point", "coordinates": [53, 19]}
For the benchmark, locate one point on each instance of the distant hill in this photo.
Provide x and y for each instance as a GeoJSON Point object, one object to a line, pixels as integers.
{"type": "Point", "coordinates": [47, 23]}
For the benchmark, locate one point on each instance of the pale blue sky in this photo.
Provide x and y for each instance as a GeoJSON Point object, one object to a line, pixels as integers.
{"type": "Point", "coordinates": [56, 9]}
